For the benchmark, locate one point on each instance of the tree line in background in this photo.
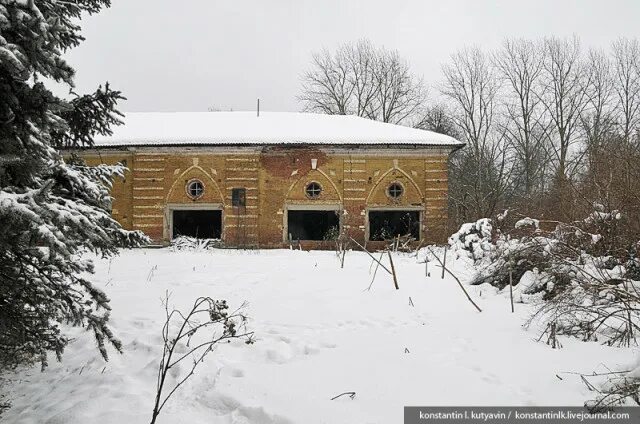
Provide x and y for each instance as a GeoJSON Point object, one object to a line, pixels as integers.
{"type": "Point", "coordinates": [552, 153]}
{"type": "Point", "coordinates": [550, 127]}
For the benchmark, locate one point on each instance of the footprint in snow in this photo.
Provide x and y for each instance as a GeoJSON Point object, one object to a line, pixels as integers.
{"type": "Point", "coordinates": [237, 372]}
{"type": "Point", "coordinates": [139, 322]}
{"type": "Point", "coordinates": [491, 378]}
{"type": "Point", "coordinates": [310, 350]}
{"type": "Point", "coordinates": [137, 345]}
{"type": "Point", "coordinates": [279, 354]}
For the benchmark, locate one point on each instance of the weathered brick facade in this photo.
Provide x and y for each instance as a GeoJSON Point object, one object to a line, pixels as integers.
{"type": "Point", "coordinates": [354, 181]}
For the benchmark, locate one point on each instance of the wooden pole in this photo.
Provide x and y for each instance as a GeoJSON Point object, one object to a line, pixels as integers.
{"type": "Point", "coordinates": [511, 284]}
{"type": "Point", "coordinates": [393, 271]}
{"type": "Point", "coordinates": [444, 262]}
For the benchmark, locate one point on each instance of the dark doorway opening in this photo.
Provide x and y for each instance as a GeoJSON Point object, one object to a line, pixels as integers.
{"type": "Point", "coordinates": [313, 225]}
{"type": "Point", "coordinates": [385, 225]}
{"type": "Point", "coordinates": [197, 223]}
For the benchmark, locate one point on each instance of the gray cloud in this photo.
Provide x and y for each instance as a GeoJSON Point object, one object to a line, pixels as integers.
{"type": "Point", "coordinates": [187, 55]}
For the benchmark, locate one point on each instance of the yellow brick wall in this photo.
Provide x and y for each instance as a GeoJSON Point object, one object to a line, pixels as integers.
{"type": "Point", "coordinates": [274, 178]}
{"type": "Point", "coordinates": [122, 187]}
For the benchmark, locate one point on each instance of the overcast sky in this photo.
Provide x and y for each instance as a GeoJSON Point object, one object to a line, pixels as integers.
{"type": "Point", "coordinates": [188, 55]}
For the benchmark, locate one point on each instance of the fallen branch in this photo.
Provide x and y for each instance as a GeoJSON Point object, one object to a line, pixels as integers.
{"type": "Point", "coordinates": [455, 278]}
{"type": "Point", "coordinates": [372, 257]}
{"type": "Point", "coordinates": [351, 395]}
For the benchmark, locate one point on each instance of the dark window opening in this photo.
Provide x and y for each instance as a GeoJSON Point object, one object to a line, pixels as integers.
{"type": "Point", "coordinates": [313, 190]}
{"type": "Point", "coordinates": [395, 190]}
{"type": "Point", "coordinates": [197, 223]}
{"type": "Point", "coordinates": [313, 225]}
{"type": "Point", "coordinates": [385, 225]}
{"type": "Point", "coordinates": [195, 189]}
{"type": "Point", "coordinates": [238, 197]}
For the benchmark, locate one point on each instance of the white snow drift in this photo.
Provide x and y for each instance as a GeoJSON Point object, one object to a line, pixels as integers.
{"type": "Point", "coordinates": [319, 333]}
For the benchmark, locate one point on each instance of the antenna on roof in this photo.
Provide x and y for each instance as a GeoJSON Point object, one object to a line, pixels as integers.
{"type": "Point", "coordinates": [258, 109]}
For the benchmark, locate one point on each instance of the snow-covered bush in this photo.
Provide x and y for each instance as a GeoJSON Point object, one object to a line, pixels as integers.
{"type": "Point", "coordinates": [586, 280]}
{"type": "Point", "coordinates": [528, 222]}
{"type": "Point", "coordinates": [473, 240]}
{"type": "Point", "coordinates": [619, 388]}
{"type": "Point", "coordinates": [597, 305]}
{"type": "Point", "coordinates": [589, 292]}
{"type": "Point", "coordinates": [512, 258]}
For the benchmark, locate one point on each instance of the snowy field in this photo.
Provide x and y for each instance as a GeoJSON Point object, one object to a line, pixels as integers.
{"type": "Point", "coordinates": [320, 332]}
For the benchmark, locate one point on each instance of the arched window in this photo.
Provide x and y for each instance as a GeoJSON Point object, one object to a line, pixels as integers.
{"type": "Point", "coordinates": [195, 189]}
{"type": "Point", "coordinates": [313, 190]}
{"type": "Point", "coordinates": [395, 190]}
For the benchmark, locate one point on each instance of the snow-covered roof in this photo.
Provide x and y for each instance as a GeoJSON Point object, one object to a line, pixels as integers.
{"type": "Point", "coordinates": [238, 128]}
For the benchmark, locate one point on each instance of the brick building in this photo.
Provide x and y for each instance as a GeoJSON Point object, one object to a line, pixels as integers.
{"type": "Point", "coordinates": [277, 178]}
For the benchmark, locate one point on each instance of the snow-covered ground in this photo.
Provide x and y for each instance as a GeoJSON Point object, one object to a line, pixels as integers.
{"type": "Point", "coordinates": [320, 332]}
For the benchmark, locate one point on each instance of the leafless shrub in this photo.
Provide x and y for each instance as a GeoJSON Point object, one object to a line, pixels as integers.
{"type": "Point", "coordinates": [599, 308]}
{"type": "Point", "coordinates": [191, 337]}
{"type": "Point", "coordinates": [619, 388]}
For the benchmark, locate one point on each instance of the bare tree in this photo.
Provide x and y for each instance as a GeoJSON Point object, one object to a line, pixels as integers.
{"type": "Point", "coordinates": [598, 119]}
{"type": "Point", "coordinates": [438, 118]}
{"type": "Point", "coordinates": [626, 71]}
{"type": "Point", "coordinates": [479, 171]}
{"type": "Point", "coordinates": [399, 93]}
{"type": "Point", "coordinates": [327, 87]}
{"type": "Point", "coordinates": [520, 64]}
{"type": "Point", "coordinates": [563, 96]}
{"type": "Point", "coordinates": [471, 85]}
{"type": "Point", "coordinates": [360, 79]}
{"type": "Point", "coordinates": [624, 153]}
{"type": "Point", "coordinates": [361, 58]}
{"type": "Point", "coordinates": [600, 127]}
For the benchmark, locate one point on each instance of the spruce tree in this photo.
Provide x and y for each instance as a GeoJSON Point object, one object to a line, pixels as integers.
{"type": "Point", "coordinates": [52, 211]}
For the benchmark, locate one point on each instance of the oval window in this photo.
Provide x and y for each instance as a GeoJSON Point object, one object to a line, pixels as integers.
{"type": "Point", "coordinates": [395, 190]}
{"type": "Point", "coordinates": [313, 190]}
{"type": "Point", "coordinates": [195, 189]}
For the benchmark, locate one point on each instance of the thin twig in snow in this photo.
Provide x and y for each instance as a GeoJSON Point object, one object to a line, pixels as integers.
{"type": "Point", "coordinates": [444, 268]}
{"type": "Point", "coordinates": [351, 395]}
